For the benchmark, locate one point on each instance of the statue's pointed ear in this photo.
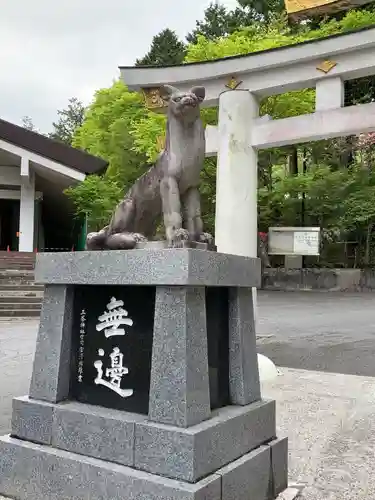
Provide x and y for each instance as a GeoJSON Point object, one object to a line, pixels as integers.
{"type": "Point", "coordinates": [166, 92]}
{"type": "Point", "coordinates": [200, 92]}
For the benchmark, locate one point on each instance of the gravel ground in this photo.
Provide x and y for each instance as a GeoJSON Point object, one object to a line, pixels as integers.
{"type": "Point", "coordinates": [330, 422]}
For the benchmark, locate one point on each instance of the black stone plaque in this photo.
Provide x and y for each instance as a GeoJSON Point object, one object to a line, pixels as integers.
{"type": "Point", "coordinates": [112, 346]}
{"type": "Point", "coordinates": [217, 317]}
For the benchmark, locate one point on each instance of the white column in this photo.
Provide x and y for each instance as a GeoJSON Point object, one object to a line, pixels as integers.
{"type": "Point", "coordinates": [237, 177]}
{"type": "Point", "coordinates": [329, 94]}
{"type": "Point", "coordinates": [236, 221]}
{"type": "Point", "coordinates": [27, 201]}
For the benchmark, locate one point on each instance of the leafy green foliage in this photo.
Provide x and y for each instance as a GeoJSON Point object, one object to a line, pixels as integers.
{"type": "Point", "coordinates": [276, 33]}
{"type": "Point", "coordinates": [264, 8]}
{"type": "Point", "coordinates": [106, 131]}
{"type": "Point", "coordinates": [166, 49]}
{"type": "Point", "coordinates": [95, 198]}
{"type": "Point", "coordinates": [146, 133]}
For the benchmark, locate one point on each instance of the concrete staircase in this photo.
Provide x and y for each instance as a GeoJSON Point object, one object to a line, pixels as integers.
{"type": "Point", "coordinates": [19, 295]}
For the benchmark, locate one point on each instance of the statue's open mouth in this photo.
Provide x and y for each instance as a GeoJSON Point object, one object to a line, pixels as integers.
{"type": "Point", "coordinates": [189, 102]}
{"type": "Point", "coordinates": [189, 105]}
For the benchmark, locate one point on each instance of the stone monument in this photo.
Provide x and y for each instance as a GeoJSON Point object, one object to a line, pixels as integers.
{"type": "Point", "coordinates": [145, 382]}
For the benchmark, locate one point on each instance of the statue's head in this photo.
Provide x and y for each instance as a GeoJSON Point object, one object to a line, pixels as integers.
{"type": "Point", "coordinates": [183, 105]}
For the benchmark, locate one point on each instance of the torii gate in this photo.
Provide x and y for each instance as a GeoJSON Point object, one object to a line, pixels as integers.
{"type": "Point", "coordinates": [236, 84]}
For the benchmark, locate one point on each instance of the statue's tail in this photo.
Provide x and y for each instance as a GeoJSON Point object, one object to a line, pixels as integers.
{"type": "Point", "coordinates": [116, 241]}
{"type": "Point", "coordinates": [115, 236]}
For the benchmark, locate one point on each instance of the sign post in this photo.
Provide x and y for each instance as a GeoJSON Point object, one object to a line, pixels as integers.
{"type": "Point", "coordinates": [294, 243]}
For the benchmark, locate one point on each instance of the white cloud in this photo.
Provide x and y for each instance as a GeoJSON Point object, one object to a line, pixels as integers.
{"type": "Point", "coordinates": [51, 51]}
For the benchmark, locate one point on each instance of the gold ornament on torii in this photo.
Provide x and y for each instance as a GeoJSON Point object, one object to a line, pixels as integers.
{"type": "Point", "coordinates": [233, 83]}
{"type": "Point", "coordinates": [326, 66]}
{"type": "Point", "coordinates": [153, 99]}
{"type": "Point", "coordinates": [160, 142]}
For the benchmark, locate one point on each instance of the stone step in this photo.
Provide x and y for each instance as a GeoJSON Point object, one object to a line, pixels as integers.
{"type": "Point", "coordinates": [16, 281]}
{"type": "Point", "coordinates": [21, 293]}
{"type": "Point", "coordinates": [17, 266]}
{"type": "Point", "coordinates": [19, 313]}
{"type": "Point", "coordinates": [15, 305]}
{"type": "Point", "coordinates": [16, 272]}
{"type": "Point", "coordinates": [23, 299]}
{"type": "Point", "coordinates": [16, 276]}
{"type": "Point", "coordinates": [21, 288]}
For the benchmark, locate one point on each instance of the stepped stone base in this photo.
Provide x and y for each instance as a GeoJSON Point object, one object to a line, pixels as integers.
{"type": "Point", "coordinates": [79, 451]}
{"type": "Point", "coordinates": [131, 439]}
{"type": "Point", "coordinates": [30, 471]}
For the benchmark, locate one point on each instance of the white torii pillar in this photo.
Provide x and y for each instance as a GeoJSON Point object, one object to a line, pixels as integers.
{"type": "Point", "coordinates": [236, 220]}
{"type": "Point", "coordinates": [237, 177]}
{"type": "Point", "coordinates": [236, 229]}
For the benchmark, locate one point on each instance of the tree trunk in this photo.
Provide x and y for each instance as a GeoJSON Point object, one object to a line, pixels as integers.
{"type": "Point", "coordinates": [293, 161]}
{"type": "Point", "coordinates": [347, 153]}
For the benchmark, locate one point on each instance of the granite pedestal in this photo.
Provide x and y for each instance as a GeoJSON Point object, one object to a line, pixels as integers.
{"type": "Point", "coordinates": [145, 383]}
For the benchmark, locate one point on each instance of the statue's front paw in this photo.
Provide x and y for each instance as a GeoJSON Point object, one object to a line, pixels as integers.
{"type": "Point", "coordinates": [206, 238]}
{"type": "Point", "coordinates": [179, 236]}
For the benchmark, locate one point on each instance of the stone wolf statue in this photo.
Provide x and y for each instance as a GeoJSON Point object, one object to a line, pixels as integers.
{"type": "Point", "coordinates": [169, 187]}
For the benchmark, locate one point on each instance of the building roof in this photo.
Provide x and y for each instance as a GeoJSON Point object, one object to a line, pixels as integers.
{"type": "Point", "coordinates": [50, 148]}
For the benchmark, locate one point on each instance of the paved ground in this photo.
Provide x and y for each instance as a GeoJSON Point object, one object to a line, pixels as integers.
{"type": "Point", "coordinates": [318, 331]}
{"type": "Point", "coordinates": [17, 343]}
{"type": "Point", "coordinates": [329, 417]}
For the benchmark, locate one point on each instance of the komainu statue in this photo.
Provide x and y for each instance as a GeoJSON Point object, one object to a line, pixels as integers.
{"type": "Point", "coordinates": [170, 187]}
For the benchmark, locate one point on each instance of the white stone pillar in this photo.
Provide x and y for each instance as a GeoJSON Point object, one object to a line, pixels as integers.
{"type": "Point", "coordinates": [237, 177]}
{"type": "Point", "coordinates": [236, 221]}
{"type": "Point", "coordinates": [27, 206]}
{"type": "Point", "coordinates": [329, 94]}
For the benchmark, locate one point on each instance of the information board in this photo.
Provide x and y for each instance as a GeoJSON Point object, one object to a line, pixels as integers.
{"type": "Point", "coordinates": [306, 243]}
{"type": "Point", "coordinates": [294, 240]}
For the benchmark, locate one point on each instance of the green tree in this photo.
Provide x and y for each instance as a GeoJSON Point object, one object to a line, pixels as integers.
{"type": "Point", "coordinates": [219, 21]}
{"type": "Point", "coordinates": [166, 49]}
{"type": "Point", "coordinates": [105, 133]}
{"type": "Point", "coordinates": [95, 198]}
{"type": "Point", "coordinates": [265, 9]}
{"type": "Point", "coordinates": [69, 120]}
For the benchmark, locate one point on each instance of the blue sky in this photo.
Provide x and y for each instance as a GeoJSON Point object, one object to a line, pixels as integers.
{"type": "Point", "coordinates": [51, 51]}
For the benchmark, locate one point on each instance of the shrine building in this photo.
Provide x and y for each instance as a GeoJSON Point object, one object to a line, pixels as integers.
{"type": "Point", "coordinates": [35, 214]}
